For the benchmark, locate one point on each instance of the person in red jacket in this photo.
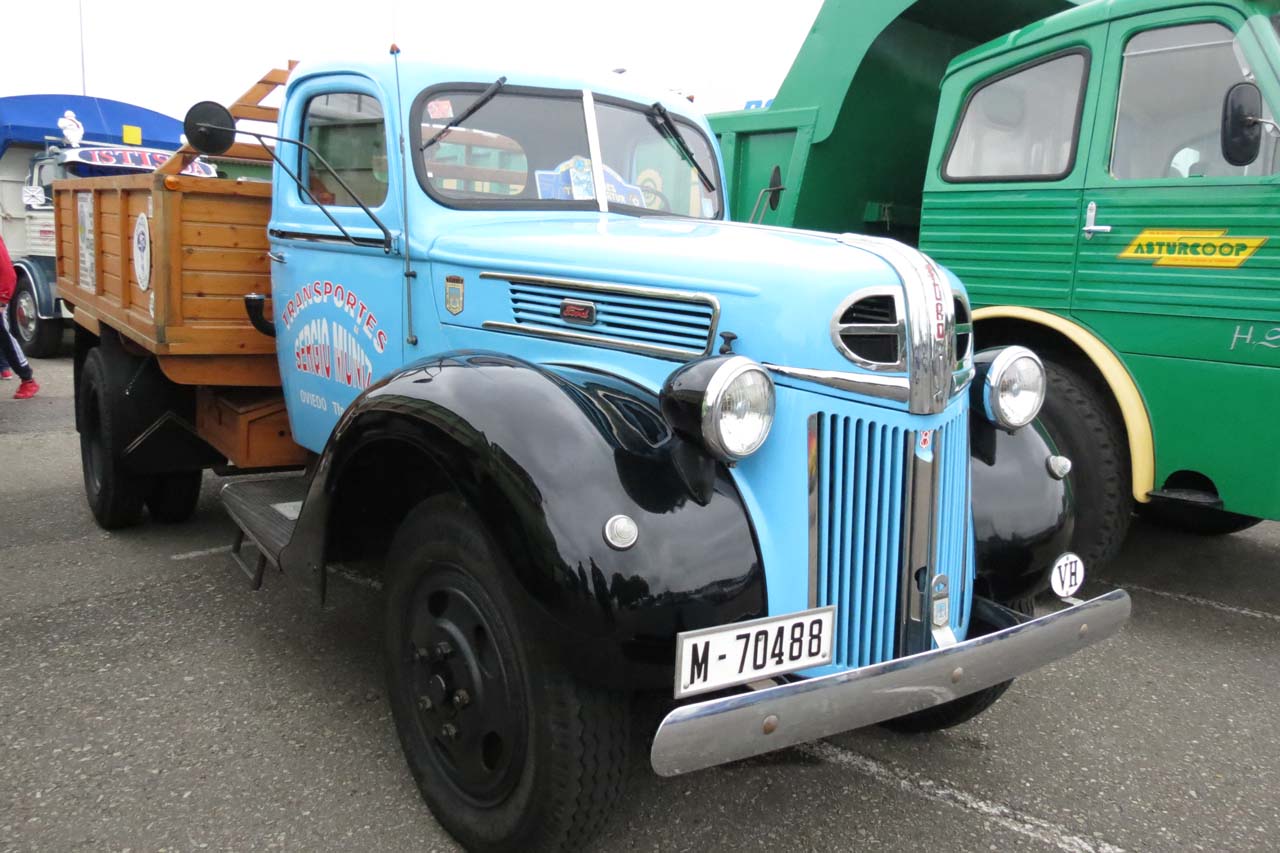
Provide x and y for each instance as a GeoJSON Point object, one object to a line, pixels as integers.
{"type": "Point", "coordinates": [9, 348]}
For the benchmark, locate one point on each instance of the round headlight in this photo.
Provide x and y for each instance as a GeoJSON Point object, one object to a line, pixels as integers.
{"type": "Point", "coordinates": [1014, 387]}
{"type": "Point", "coordinates": [737, 409]}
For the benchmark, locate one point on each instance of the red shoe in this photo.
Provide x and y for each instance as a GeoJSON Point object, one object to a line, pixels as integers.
{"type": "Point", "coordinates": [6, 374]}
{"type": "Point", "coordinates": [26, 390]}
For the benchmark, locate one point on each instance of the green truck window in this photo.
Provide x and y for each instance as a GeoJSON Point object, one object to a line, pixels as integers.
{"type": "Point", "coordinates": [1169, 118]}
{"type": "Point", "coordinates": [347, 129]}
{"type": "Point", "coordinates": [1022, 125]}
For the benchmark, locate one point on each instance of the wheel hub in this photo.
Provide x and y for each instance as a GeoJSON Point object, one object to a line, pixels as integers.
{"type": "Point", "coordinates": [24, 315]}
{"type": "Point", "coordinates": [464, 701]}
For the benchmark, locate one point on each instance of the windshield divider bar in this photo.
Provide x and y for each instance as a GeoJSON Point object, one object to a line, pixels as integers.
{"type": "Point", "coordinates": [593, 146]}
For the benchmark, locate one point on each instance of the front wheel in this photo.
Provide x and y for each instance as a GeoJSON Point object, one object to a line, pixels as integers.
{"type": "Point", "coordinates": [508, 751]}
{"type": "Point", "coordinates": [1086, 431]}
{"type": "Point", "coordinates": [38, 337]}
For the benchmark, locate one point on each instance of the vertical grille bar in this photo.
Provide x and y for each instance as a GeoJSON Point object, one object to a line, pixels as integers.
{"type": "Point", "coordinates": [955, 522]}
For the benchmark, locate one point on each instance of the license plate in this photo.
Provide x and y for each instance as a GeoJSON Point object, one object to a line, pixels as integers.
{"type": "Point", "coordinates": [715, 658]}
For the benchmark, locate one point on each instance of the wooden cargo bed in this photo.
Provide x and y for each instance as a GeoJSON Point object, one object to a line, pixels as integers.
{"type": "Point", "coordinates": [207, 249]}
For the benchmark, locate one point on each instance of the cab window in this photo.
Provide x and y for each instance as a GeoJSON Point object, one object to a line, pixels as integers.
{"type": "Point", "coordinates": [646, 168]}
{"type": "Point", "coordinates": [1023, 125]}
{"type": "Point", "coordinates": [347, 129]}
{"type": "Point", "coordinates": [1169, 116]}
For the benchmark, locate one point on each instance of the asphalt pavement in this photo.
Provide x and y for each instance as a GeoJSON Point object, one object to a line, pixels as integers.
{"type": "Point", "coordinates": [149, 700]}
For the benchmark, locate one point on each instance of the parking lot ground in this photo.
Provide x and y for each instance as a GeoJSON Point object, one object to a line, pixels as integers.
{"type": "Point", "coordinates": [150, 701]}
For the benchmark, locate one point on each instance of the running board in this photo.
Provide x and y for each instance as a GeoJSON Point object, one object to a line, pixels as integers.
{"type": "Point", "coordinates": [265, 511]}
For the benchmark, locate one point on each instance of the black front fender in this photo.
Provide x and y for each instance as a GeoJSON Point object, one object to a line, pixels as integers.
{"type": "Point", "coordinates": [546, 456]}
{"type": "Point", "coordinates": [1023, 516]}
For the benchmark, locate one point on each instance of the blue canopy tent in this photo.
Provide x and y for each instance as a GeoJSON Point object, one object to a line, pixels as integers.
{"type": "Point", "coordinates": [30, 118]}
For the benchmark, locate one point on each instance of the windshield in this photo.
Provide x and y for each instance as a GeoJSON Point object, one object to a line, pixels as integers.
{"type": "Point", "coordinates": [530, 149]}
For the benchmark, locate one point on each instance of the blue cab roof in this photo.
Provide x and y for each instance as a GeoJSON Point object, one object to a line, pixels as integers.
{"type": "Point", "coordinates": [28, 119]}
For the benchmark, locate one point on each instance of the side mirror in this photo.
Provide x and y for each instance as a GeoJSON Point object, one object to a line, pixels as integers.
{"type": "Point", "coordinates": [1241, 128]}
{"type": "Point", "coordinates": [209, 127]}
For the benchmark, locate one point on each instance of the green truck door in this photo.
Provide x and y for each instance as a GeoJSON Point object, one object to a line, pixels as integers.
{"type": "Point", "coordinates": [1002, 202]}
{"type": "Point", "coordinates": [1181, 275]}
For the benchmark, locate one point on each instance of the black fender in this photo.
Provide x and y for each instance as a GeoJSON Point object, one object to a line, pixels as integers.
{"type": "Point", "coordinates": [41, 272]}
{"type": "Point", "coordinates": [546, 455]}
{"type": "Point", "coordinates": [1023, 516]}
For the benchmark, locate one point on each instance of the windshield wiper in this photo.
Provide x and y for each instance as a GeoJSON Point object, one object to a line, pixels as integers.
{"type": "Point", "coordinates": [485, 97]}
{"type": "Point", "coordinates": [667, 127]}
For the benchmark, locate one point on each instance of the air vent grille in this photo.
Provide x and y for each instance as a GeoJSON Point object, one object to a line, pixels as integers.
{"type": "Point", "coordinates": [964, 331]}
{"type": "Point", "coordinates": [868, 330]}
{"type": "Point", "coordinates": [621, 318]}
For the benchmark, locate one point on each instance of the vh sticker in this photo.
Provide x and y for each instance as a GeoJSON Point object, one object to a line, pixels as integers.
{"type": "Point", "coordinates": [1171, 247]}
{"type": "Point", "coordinates": [1067, 575]}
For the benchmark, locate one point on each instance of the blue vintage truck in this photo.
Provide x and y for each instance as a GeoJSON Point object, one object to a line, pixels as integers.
{"type": "Point", "coordinates": [505, 354]}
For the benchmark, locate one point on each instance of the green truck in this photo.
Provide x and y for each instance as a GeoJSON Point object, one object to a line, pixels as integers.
{"type": "Point", "coordinates": [1105, 179]}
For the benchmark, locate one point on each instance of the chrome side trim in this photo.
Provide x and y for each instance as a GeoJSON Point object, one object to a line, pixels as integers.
{"type": "Point", "coordinates": [931, 328]}
{"type": "Point", "coordinates": [887, 387]}
{"type": "Point", "coordinates": [815, 441]}
{"type": "Point", "coordinates": [704, 734]}
{"type": "Point", "coordinates": [593, 340]}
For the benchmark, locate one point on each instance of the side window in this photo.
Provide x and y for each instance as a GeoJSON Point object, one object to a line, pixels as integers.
{"type": "Point", "coordinates": [348, 131]}
{"type": "Point", "coordinates": [1169, 115]}
{"type": "Point", "coordinates": [1023, 125]}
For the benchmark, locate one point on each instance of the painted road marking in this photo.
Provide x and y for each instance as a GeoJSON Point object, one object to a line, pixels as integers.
{"type": "Point", "coordinates": [191, 555]}
{"type": "Point", "coordinates": [1002, 815]}
{"type": "Point", "coordinates": [1203, 602]}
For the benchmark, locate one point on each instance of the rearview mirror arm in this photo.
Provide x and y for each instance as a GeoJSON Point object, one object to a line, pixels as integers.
{"type": "Point", "coordinates": [386, 233]}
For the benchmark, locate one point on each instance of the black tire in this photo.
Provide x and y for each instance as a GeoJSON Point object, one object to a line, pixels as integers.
{"type": "Point", "coordinates": [1204, 521]}
{"type": "Point", "coordinates": [948, 714]}
{"type": "Point", "coordinates": [1026, 605]}
{"type": "Point", "coordinates": [115, 496]}
{"type": "Point", "coordinates": [173, 497]}
{"type": "Point", "coordinates": [1089, 433]}
{"type": "Point", "coordinates": [535, 761]}
{"type": "Point", "coordinates": [38, 338]}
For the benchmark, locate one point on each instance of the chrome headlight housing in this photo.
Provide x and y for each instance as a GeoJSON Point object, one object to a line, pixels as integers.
{"type": "Point", "coordinates": [726, 402]}
{"type": "Point", "coordinates": [1011, 384]}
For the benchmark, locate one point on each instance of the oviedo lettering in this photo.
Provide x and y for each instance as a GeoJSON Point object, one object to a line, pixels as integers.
{"type": "Point", "coordinates": [1182, 248]}
{"type": "Point", "coordinates": [331, 352]}
{"type": "Point", "coordinates": [318, 292]}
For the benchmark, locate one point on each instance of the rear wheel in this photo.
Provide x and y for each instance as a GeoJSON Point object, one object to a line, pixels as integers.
{"type": "Point", "coordinates": [507, 750]}
{"type": "Point", "coordinates": [115, 496]}
{"type": "Point", "coordinates": [173, 497]}
{"type": "Point", "coordinates": [1089, 433]}
{"type": "Point", "coordinates": [39, 338]}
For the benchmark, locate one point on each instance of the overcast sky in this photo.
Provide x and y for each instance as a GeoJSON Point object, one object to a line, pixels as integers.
{"type": "Point", "coordinates": [166, 56]}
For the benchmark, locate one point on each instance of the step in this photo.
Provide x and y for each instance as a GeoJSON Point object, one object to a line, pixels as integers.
{"type": "Point", "coordinates": [265, 509]}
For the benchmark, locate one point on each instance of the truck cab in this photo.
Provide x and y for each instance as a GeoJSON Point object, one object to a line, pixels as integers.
{"type": "Point", "coordinates": [519, 368]}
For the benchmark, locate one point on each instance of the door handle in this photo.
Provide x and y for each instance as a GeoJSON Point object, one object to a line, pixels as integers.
{"type": "Point", "coordinates": [278, 257]}
{"type": "Point", "coordinates": [1090, 226]}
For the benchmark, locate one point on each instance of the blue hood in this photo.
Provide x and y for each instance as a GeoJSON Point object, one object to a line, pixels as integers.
{"type": "Point", "coordinates": [777, 288]}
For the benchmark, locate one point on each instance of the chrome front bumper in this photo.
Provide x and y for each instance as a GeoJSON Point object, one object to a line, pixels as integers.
{"type": "Point", "coordinates": [708, 733]}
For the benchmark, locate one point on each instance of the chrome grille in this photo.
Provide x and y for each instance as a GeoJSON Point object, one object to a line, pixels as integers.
{"type": "Point", "coordinates": [859, 466]}
{"type": "Point", "coordinates": [858, 506]}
